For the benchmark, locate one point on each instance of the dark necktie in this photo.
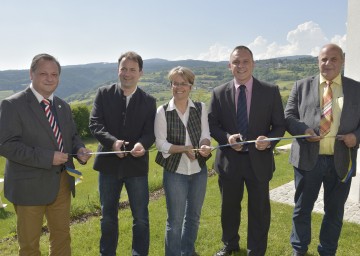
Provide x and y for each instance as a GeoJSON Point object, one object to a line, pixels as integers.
{"type": "Point", "coordinates": [241, 114]}
{"type": "Point", "coordinates": [45, 103]}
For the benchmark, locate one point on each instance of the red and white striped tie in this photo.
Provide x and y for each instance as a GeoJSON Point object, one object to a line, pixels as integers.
{"type": "Point", "coordinates": [45, 103]}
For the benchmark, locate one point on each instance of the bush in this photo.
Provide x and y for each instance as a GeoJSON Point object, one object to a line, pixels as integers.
{"type": "Point", "coordinates": [81, 114]}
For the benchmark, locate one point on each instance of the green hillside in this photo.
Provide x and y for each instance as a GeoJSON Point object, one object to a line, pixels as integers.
{"type": "Point", "coordinates": [78, 83]}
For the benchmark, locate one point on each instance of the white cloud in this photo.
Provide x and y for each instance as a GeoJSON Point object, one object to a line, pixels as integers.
{"type": "Point", "coordinates": [305, 39]}
{"type": "Point", "coordinates": [339, 40]}
{"type": "Point", "coordinates": [184, 57]}
{"type": "Point", "coordinates": [217, 52]}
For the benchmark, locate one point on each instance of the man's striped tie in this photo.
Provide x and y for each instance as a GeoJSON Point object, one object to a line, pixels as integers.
{"type": "Point", "coordinates": [326, 112]}
{"type": "Point", "coordinates": [45, 103]}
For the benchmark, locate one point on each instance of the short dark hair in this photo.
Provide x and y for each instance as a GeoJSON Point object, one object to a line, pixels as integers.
{"type": "Point", "coordinates": [132, 56]}
{"type": "Point", "coordinates": [242, 47]}
{"type": "Point", "coordinates": [43, 56]}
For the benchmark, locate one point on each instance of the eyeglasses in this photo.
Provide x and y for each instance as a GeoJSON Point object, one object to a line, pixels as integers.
{"type": "Point", "coordinates": [180, 84]}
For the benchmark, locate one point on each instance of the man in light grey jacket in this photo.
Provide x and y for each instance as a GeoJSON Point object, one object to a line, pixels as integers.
{"type": "Point", "coordinates": [326, 106]}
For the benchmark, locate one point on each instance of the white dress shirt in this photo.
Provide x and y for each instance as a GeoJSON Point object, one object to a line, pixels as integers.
{"type": "Point", "coordinates": [186, 166]}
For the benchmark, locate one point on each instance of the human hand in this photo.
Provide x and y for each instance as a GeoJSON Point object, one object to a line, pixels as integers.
{"type": "Point", "coordinates": [316, 137]}
{"type": "Point", "coordinates": [120, 145]}
{"type": "Point", "coordinates": [189, 152]}
{"type": "Point", "coordinates": [60, 158]}
{"type": "Point", "coordinates": [235, 138]}
{"type": "Point", "coordinates": [260, 144]}
{"type": "Point", "coordinates": [138, 150]}
{"type": "Point", "coordinates": [83, 155]}
{"type": "Point", "coordinates": [205, 150]}
{"type": "Point", "coordinates": [349, 139]}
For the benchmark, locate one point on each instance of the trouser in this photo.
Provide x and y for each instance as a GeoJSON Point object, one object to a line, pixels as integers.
{"type": "Point", "coordinates": [30, 221]}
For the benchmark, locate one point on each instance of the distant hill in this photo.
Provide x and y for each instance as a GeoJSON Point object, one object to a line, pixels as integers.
{"type": "Point", "coordinates": [294, 57]}
{"type": "Point", "coordinates": [74, 78]}
{"type": "Point", "coordinates": [81, 78]}
{"type": "Point", "coordinates": [79, 82]}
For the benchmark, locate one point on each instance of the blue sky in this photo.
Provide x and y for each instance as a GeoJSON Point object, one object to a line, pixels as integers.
{"type": "Point", "coordinates": [88, 31]}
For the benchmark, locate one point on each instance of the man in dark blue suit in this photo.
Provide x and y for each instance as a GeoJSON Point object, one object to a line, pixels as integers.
{"type": "Point", "coordinates": [252, 165]}
{"type": "Point", "coordinates": [328, 158]}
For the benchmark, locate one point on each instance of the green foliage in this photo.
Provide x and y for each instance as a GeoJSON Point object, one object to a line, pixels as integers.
{"type": "Point", "coordinates": [81, 114]}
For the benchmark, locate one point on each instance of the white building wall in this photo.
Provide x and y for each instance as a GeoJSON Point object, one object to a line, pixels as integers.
{"type": "Point", "coordinates": [352, 70]}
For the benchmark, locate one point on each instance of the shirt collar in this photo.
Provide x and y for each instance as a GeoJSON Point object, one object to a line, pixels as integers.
{"type": "Point", "coordinates": [38, 96]}
{"type": "Point", "coordinates": [336, 80]}
{"type": "Point", "coordinates": [129, 96]}
{"type": "Point", "coordinates": [248, 84]}
{"type": "Point", "coordinates": [171, 105]}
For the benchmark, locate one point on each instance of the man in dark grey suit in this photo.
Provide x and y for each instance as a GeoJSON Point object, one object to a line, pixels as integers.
{"type": "Point", "coordinates": [122, 118]}
{"type": "Point", "coordinates": [36, 180]}
{"type": "Point", "coordinates": [328, 158]}
{"type": "Point", "coordinates": [252, 165]}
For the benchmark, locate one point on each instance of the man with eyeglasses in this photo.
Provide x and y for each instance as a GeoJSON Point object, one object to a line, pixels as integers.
{"type": "Point", "coordinates": [122, 120]}
{"type": "Point", "coordinates": [245, 109]}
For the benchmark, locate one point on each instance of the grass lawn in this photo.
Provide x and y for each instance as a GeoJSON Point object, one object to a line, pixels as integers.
{"type": "Point", "coordinates": [85, 234]}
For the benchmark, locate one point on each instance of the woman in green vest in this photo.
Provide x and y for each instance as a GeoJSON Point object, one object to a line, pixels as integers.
{"type": "Point", "coordinates": [183, 140]}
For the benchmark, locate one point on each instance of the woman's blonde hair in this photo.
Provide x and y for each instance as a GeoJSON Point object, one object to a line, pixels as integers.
{"type": "Point", "coordinates": [184, 72]}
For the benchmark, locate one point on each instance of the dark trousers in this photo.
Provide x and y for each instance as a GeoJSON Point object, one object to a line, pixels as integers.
{"type": "Point", "coordinates": [231, 186]}
{"type": "Point", "coordinates": [110, 187]}
{"type": "Point", "coordinates": [308, 184]}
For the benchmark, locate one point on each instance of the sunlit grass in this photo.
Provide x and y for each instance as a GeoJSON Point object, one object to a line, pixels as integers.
{"type": "Point", "coordinates": [85, 235]}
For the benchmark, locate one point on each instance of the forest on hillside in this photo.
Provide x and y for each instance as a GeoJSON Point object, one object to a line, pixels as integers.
{"type": "Point", "coordinates": [78, 83]}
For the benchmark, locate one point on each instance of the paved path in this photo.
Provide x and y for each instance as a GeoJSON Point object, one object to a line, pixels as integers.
{"type": "Point", "coordinates": [285, 194]}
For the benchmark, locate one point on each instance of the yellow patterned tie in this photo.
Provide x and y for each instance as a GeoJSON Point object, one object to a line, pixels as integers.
{"type": "Point", "coordinates": [326, 112]}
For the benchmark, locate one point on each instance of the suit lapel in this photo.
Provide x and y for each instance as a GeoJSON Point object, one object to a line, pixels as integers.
{"type": "Point", "coordinates": [230, 98]}
{"type": "Point", "coordinates": [38, 111]}
{"type": "Point", "coordinates": [60, 108]}
{"type": "Point", "coordinates": [253, 108]}
{"type": "Point", "coordinates": [314, 92]}
{"type": "Point", "coordinates": [346, 111]}
{"type": "Point", "coordinates": [61, 118]}
{"type": "Point", "coordinates": [256, 96]}
{"type": "Point", "coordinates": [314, 88]}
